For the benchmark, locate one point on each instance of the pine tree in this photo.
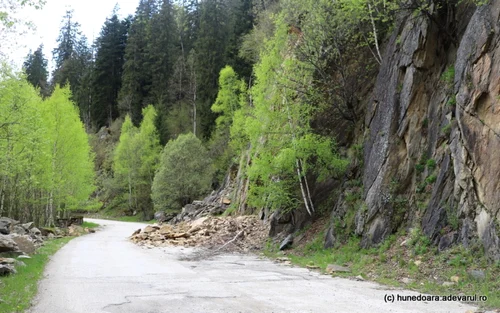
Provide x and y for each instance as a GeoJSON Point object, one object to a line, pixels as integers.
{"type": "Point", "coordinates": [162, 52]}
{"type": "Point", "coordinates": [108, 70]}
{"type": "Point", "coordinates": [35, 67]}
{"type": "Point", "coordinates": [210, 44]}
{"type": "Point", "coordinates": [137, 70]}
{"type": "Point", "coordinates": [74, 61]}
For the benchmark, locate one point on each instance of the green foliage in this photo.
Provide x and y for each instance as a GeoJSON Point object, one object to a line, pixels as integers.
{"type": "Point", "coordinates": [184, 174]}
{"type": "Point", "coordinates": [228, 104]}
{"type": "Point", "coordinates": [72, 177]}
{"type": "Point", "coordinates": [452, 217]}
{"type": "Point", "coordinates": [452, 101]}
{"type": "Point", "coordinates": [46, 163]}
{"type": "Point", "coordinates": [90, 225]}
{"type": "Point", "coordinates": [136, 160]}
{"type": "Point", "coordinates": [35, 66]}
{"type": "Point", "coordinates": [448, 76]}
{"type": "Point", "coordinates": [107, 72]}
{"type": "Point", "coordinates": [418, 241]}
{"type": "Point", "coordinates": [431, 179]}
{"type": "Point", "coordinates": [431, 164]}
{"type": "Point", "coordinates": [277, 127]}
{"type": "Point", "coordinates": [137, 70]}
{"type": "Point", "coordinates": [73, 64]}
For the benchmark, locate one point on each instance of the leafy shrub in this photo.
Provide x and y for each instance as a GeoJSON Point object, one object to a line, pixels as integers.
{"type": "Point", "coordinates": [185, 173]}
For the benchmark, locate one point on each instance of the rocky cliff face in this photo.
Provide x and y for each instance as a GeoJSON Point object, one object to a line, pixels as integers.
{"type": "Point", "coordinates": [432, 131]}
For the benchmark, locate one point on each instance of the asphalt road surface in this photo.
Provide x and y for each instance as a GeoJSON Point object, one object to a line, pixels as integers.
{"type": "Point", "coordinates": [104, 272]}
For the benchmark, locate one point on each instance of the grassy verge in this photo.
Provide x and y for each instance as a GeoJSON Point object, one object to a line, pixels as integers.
{"type": "Point", "coordinates": [135, 219]}
{"type": "Point", "coordinates": [408, 261]}
{"type": "Point", "coordinates": [121, 218]}
{"type": "Point", "coordinates": [17, 291]}
{"type": "Point", "coordinates": [90, 225]}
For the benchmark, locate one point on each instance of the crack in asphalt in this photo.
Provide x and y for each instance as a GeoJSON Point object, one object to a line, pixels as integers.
{"type": "Point", "coordinates": [128, 301]}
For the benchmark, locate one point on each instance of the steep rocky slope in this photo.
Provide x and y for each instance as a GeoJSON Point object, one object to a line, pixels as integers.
{"type": "Point", "coordinates": [432, 131]}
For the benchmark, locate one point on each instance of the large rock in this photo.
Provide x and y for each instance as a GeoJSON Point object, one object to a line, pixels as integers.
{"type": "Point", "coordinates": [150, 228]}
{"type": "Point", "coordinates": [7, 244]}
{"type": "Point", "coordinates": [6, 269]}
{"type": "Point", "coordinates": [28, 226]}
{"type": "Point", "coordinates": [160, 216]}
{"type": "Point", "coordinates": [5, 224]}
{"type": "Point", "coordinates": [18, 229]}
{"type": "Point", "coordinates": [35, 232]}
{"type": "Point", "coordinates": [75, 230]}
{"type": "Point", "coordinates": [24, 243]}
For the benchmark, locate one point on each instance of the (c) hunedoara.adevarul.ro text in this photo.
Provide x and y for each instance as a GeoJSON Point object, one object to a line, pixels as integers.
{"type": "Point", "coordinates": [429, 298]}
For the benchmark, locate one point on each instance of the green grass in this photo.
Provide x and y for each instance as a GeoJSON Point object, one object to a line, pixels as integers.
{"type": "Point", "coordinates": [136, 219]}
{"type": "Point", "coordinates": [17, 291]}
{"type": "Point", "coordinates": [123, 218]}
{"type": "Point", "coordinates": [90, 225]}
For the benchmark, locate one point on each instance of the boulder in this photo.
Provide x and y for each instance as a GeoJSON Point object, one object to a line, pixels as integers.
{"type": "Point", "coordinates": [447, 240]}
{"type": "Point", "coordinates": [27, 226]}
{"type": "Point", "coordinates": [35, 232]}
{"type": "Point", "coordinates": [7, 261]}
{"type": "Point", "coordinates": [18, 229]}
{"type": "Point", "coordinates": [7, 244]}
{"type": "Point", "coordinates": [160, 216]}
{"type": "Point", "coordinates": [5, 224]}
{"type": "Point", "coordinates": [7, 269]}
{"type": "Point", "coordinates": [24, 244]}
{"type": "Point", "coordinates": [149, 229]}
{"type": "Point", "coordinates": [46, 231]}
{"type": "Point", "coordinates": [75, 230]}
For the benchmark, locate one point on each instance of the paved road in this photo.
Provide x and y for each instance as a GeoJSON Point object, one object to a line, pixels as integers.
{"type": "Point", "coordinates": [103, 272]}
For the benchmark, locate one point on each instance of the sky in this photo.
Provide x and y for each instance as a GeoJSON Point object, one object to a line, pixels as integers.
{"type": "Point", "coordinates": [91, 15]}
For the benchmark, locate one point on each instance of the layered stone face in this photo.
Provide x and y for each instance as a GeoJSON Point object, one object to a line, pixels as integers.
{"type": "Point", "coordinates": [416, 113]}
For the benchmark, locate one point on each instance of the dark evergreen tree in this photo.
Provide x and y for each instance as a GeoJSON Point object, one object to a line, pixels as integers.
{"type": "Point", "coordinates": [108, 70]}
{"type": "Point", "coordinates": [162, 51]}
{"type": "Point", "coordinates": [35, 67]}
{"type": "Point", "coordinates": [74, 62]}
{"type": "Point", "coordinates": [241, 20]}
{"type": "Point", "coordinates": [137, 72]}
{"type": "Point", "coordinates": [210, 47]}
{"type": "Point", "coordinates": [65, 52]}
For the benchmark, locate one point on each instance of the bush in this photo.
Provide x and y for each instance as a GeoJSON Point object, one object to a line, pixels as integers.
{"type": "Point", "coordinates": [185, 173]}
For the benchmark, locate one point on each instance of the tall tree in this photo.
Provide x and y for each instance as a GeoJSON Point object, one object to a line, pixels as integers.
{"type": "Point", "coordinates": [35, 67]}
{"type": "Point", "coordinates": [73, 64]}
{"type": "Point", "coordinates": [108, 70]}
{"type": "Point", "coordinates": [162, 52]}
{"type": "Point", "coordinates": [212, 38]}
{"type": "Point", "coordinates": [137, 70]}
{"type": "Point", "coordinates": [72, 179]}
{"type": "Point", "coordinates": [136, 159]}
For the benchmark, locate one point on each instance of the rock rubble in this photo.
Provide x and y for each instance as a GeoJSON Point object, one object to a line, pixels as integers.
{"type": "Point", "coordinates": [241, 233]}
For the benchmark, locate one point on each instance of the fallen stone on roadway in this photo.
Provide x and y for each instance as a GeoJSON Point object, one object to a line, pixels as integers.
{"type": "Point", "coordinates": [242, 233]}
